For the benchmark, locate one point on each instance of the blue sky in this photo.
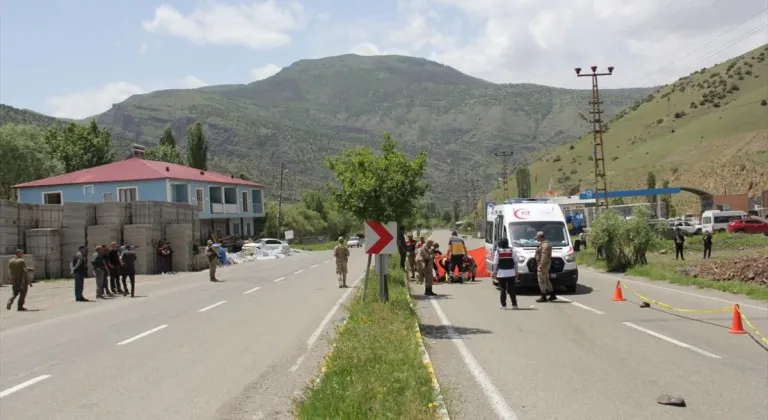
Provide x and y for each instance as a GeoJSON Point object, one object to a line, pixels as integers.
{"type": "Point", "coordinates": [75, 58]}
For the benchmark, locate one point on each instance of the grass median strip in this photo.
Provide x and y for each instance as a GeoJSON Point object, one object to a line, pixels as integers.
{"type": "Point", "coordinates": [375, 370]}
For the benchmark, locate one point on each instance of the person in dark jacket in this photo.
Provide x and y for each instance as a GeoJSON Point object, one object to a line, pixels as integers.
{"type": "Point", "coordinates": [79, 269]}
{"type": "Point", "coordinates": [128, 269]}
{"type": "Point", "coordinates": [679, 244]}
{"type": "Point", "coordinates": [505, 271]}
{"type": "Point", "coordinates": [113, 266]}
{"type": "Point", "coordinates": [99, 264]}
{"type": "Point", "coordinates": [707, 244]}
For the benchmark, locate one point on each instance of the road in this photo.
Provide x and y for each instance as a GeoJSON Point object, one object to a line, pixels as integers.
{"type": "Point", "coordinates": [590, 358]}
{"type": "Point", "coordinates": [189, 349]}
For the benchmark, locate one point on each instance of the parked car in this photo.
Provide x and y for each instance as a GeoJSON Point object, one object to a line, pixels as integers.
{"type": "Point", "coordinates": [354, 242]}
{"type": "Point", "coordinates": [686, 227]}
{"type": "Point", "coordinates": [270, 244]}
{"type": "Point", "coordinates": [749, 225]}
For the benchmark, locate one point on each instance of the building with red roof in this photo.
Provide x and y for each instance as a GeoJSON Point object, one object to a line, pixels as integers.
{"type": "Point", "coordinates": [216, 196]}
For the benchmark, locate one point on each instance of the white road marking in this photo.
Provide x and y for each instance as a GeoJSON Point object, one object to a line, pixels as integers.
{"type": "Point", "coordinates": [314, 266]}
{"type": "Point", "coordinates": [580, 305]}
{"type": "Point", "coordinates": [21, 386]}
{"type": "Point", "coordinates": [298, 272]}
{"type": "Point", "coordinates": [252, 290]}
{"type": "Point", "coordinates": [142, 335]}
{"type": "Point", "coordinates": [672, 340]}
{"type": "Point", "coordinates": [296, 365]}
{"type": "Point", "coordinates": [319, 330]}
{"type": "Point", "coordinates": [212, 306]}
{"type": "Point", "coordinates": [279, 280]}
{"type": "Point", "coordinates": [500, 406]}
{"type": "Point", "coordinates": [682, 292]}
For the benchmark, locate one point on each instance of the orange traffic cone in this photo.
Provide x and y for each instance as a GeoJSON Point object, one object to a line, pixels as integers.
{"type": "Point", "coordinates": [736, 326]}
{"type": "Point", "coordinates": [618, 296]}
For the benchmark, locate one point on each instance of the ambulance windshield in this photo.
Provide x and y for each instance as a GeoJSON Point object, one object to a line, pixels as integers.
{"type": "Point", "coordinates": [524, 233]}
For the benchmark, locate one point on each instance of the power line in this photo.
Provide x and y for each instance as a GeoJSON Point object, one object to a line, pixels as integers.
{"type": "Point", "coordinates": [696, 49]}
{"type": "Point", "coordinates": [504, 174]}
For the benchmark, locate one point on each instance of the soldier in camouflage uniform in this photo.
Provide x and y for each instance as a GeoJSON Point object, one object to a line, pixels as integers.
{"type": "Point", "coordinates": [341, 253]}
{"type": "Point", "coordinates": [424, 259]}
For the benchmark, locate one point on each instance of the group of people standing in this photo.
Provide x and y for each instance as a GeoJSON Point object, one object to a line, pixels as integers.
{"type": "Point", "coordinates": [506, 273]}
{"type": "Point", "coordinates": [111, 264]}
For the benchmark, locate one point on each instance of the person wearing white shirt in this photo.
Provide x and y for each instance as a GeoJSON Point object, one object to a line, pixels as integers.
{"type": "Point", "coordinates": [504, 264]}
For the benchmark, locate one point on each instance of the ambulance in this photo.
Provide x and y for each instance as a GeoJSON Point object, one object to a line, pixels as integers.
{"type": "Point", "coordinates": [519, 221]}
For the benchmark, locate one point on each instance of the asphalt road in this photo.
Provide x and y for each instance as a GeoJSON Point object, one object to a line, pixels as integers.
{"type": "Point", "coordinates": [590, 358]}
{"type": "Point", "coordinates": [188, 350]}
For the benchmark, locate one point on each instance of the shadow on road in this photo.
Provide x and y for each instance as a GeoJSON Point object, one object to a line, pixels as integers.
{"type": "Point", "coordinates": [534, 291]}
{"type": "Point", "coordinates": [440, 296]}
{"type": "Point", "coordinates": [440, 332]}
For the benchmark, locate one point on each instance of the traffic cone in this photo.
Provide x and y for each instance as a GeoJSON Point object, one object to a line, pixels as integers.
{"type": "Point", "coordinates": [736, 327]}
{"type": "Point", "coordinates": [618, 295]}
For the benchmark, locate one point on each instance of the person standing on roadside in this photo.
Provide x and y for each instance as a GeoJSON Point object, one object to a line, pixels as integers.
{"type": "Point", "coordinates": [341, 254]}
{"type": "Point", "coordinates": [457, 249]}
{"type": "Point", "coordinates": [128, 269]}
{"type": "Point", "coordinates": [679, 244]}
{"type": "Point", "coordinates": [401, 246]}
{"type": "Point", "coordinates": [543, 264]}
{"type": "Point", "coordinates": [505, 271]}
{"type": "Point", "coordinates": [707, 244]}
{"type": "Point", "coordinates": [79, 269]}
{"type": "Point", "coordinates": [420, 243]}
{"type": "Point", "coordinates": [410, 251]}
{"type": "Point", "coordinates": [99, 264]}
{"type": "Point", "coordinates": [113, 265]}
{"type": "Point", "coordinates": [212, 256]}
{"type": "Point", "coordinates": [583, 239]}
{"type": "Point", "coordinates": [424, 260]}
{"type": "Point", "coordinates": [20, 284]}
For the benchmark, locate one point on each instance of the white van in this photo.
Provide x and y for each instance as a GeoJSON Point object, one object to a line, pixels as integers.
{"type": "Point", "coordinates": [717, 221]}
{"type": "Point", "coordinates": [518, 221]}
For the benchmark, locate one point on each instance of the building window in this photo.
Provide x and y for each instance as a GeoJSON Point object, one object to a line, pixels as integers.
{"type": "Point", "coordinates": [127, 195]}
{"type": "Point", "coordinates": [256, 201]}
{"type": "Point", "coordinates": [200, 201]}
{"type": "Point", "coordinates": [52, 198]}
{"type": "Point", "coordinates": [87, 189]}
{"type": "Point", "coordinates": [106, 197]}
{"type": "Point", "coordinates": [245, 201]}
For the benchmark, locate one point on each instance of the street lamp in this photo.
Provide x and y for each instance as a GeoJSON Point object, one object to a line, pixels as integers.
{"type": "Point", "coordinates": [280, 199]}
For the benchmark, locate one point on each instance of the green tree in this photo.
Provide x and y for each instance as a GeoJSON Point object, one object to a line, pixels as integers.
{"type": "Point", "coordinates": [667, 200]}
{"type": "Point", "coordinates": [164, 153]}
{"type": "Point", "coordinates": [385, 187]}
{"type": "Point", "coordinates": [24, 157]}
{"type": "Point", "coordinates": [650, 181]}
{"type": "Point", "coordinates": [624, 242]}
{"type": "Point", "coordinates": [197, 147]}
{"type": "Point", "coordinates": [523, 179]}
{"type": "Point", "coordinates": [167, 139]}
{"type": "Point", "coordinates": [80, 146]}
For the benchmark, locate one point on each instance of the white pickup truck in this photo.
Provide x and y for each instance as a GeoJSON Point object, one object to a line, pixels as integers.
{"type": "Point", "coordinates": [686, 227]}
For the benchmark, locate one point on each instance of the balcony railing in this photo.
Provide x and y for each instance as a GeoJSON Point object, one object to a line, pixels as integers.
{"type": "Point", "coordinates": [217, 208]}
{"type": "Point", "coordinates": [231, 209]}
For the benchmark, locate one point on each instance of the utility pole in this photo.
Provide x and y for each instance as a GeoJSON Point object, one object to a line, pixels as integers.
{"type": "Point", "coordinates": [601, 183]}
{"type": "Point", "coordinates": [280, 201]}
{"type": "Point", "coordinates": [504, 175]}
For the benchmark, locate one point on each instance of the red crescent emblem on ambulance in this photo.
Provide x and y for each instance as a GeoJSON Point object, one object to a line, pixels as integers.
{"type": "Point", "coordinates": [522, 213]}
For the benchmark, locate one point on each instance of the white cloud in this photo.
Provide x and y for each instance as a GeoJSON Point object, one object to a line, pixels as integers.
{"type": "Point", "coordinates": [143, 48]}
{"type": "Point", "coordinates": [261, 73]}
{"type": "Point", "coordinates": [256, 25]}
{"type": "Point", "coordinates": [647, 41]}
{"type": "Point", "coordinates": [90, 102]}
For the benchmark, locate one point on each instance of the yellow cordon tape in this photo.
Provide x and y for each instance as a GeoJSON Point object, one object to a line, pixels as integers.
{"type": "Point", "coordinates": [754, 329]}
{"type": "Point", "coordinates": [664, 305]}
{"type": "Point", "coordinates": [701, 311]}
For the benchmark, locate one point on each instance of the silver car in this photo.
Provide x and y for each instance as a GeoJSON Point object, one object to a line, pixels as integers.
{"type": "Point", "coordinates": [354, 242]}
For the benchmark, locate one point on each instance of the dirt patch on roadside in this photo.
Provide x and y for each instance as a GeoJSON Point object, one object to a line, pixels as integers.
{"type": "Point", "coordinates": [745, 269]}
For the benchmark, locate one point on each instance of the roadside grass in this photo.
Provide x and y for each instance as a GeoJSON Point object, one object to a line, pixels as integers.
{"type": "Point", "coordinates": [663, 267]}
{"type": "Point", "coordinates": [323, 246]}
{"type": "Point", "coordinates": [375, 370]}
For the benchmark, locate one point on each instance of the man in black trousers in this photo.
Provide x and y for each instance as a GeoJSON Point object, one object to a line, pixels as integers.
{"type": "Point", "coordinates": [128, 269]}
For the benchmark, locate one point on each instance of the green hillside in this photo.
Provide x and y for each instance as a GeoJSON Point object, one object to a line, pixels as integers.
{"type": "Point", "coordinates": [708, 130]}
{"type": "Point", "coordinates": [315, 108]}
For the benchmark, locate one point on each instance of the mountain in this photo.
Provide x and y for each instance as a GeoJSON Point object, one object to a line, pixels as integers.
{"type": "Point", "coordinates": [708, 130]}
{"type": "Point", "coordinates": [315, 108]}
{"type": "Point", "coordinates": [11, 115]}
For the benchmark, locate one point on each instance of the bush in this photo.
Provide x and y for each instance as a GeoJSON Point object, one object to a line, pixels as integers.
{"type": "Point", "coordinates": [556, 159]}
{"type": "Point", "coordinates": [624, 242]}
{"type": "Point", "coordinates": [763, 103]}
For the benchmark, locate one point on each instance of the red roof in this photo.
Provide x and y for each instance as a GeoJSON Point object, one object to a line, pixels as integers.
{"type": "Point", "coordinates": [135, 169]}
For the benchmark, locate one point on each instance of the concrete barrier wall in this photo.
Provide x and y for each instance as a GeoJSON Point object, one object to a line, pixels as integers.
{"type": "Point", "coordinates": [50, 235]}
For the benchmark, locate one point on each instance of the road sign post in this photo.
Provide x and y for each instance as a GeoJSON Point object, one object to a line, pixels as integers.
{"type": "Point", "coordinates": [380, 241]}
